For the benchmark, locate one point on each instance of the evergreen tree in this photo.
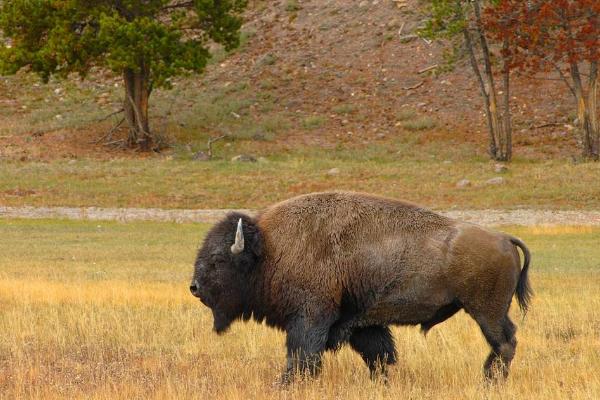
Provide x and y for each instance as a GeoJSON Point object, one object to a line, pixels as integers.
{"type": "Point", "coordinates": [145, 41]}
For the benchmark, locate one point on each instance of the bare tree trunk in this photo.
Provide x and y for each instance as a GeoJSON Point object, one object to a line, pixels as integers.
{"type": "Point", "coordinates": [135, 105]}
{"type": "Point", "coordinates": [493, 145]}
{"type": "Point", "coordinates": [593, 110]}
{"type": "Point", "coordinates": [489, 77]}
{"type": "Point", "coordinates": [583, 113]}
{"type": "Point", "coordinates": [500, 131]}
{"type": "Point", "coordinates": [491, 85]}
{"type": "Point", "coordinates": [506, 116]}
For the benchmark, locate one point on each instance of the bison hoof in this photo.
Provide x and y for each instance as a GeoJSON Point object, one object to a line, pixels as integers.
{"type": "Point", "coordinates": [284, 380]}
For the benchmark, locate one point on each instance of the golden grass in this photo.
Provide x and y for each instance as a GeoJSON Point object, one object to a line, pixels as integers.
{"type": "Point", "coordinates": [75, 335]}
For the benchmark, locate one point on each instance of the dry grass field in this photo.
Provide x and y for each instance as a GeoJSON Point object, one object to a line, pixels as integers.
{"type": "Point", "coordinates": [96, 310]}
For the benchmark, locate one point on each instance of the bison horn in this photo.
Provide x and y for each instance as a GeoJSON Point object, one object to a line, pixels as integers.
{"type": "Point", "coordinates": [238, 246]}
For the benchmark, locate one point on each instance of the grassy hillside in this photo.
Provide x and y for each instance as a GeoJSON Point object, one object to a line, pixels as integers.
{"type": "Point", "coordinates": [314, 87]}
{"type": "Point", "coordinates": [102, 311]}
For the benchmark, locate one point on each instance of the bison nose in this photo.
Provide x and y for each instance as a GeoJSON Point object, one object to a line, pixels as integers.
{"type": "Point", "coordinates": [194, 288]}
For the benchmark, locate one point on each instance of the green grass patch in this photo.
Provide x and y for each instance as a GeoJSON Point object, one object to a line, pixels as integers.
{"type": "Point", "coordinates": [406, 114]}
{"type": "Point", "coordinates": [420, 124]}
{"type": "Point", "coordinates": [313, 122]}
{"type": "Point", "coordinates": [390, 169]}
{"type": "Point", "coordinates": [562, 249]}
{"type": "Point", "coordinates": [292, 6]}
{"type": "Point", "coordinates": [344, 108]}
{"type": "Point", "coordinates": [236, 109]}
{"type": "Point", "coordinates": [267, 59]}
{"type": "Point", "coordinates": [71, 251]}
{"type": "Point", "coordinates": [60, 104]}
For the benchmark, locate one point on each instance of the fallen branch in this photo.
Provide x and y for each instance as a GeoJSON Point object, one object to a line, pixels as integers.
{"type": "Point", "coordinates": [109, 134]}
{"type": "Point", "coordinates": [42, 132]}
{"type": "Point", "coordinates": [110, 115]}
{"type": "Point", "coordinates": [428, 69]}
{"type": "Point", "coordinates": [210, 143]}
{"type": "Point", "coordinates": [549, 124]}
{"type": "Point", "coordinates": [418, 85]}
{"type": "Point", "coordinates": [115, 142]}
{"type": "Point", "coordinates": [408, 38]}
{"type": "Point", "coordinates": [401, 28]}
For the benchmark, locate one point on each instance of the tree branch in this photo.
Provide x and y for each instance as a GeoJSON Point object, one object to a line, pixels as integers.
{"type": "Point", "coordinates": [110, 115]}
{"type": "Point", "coordinates": [109, 134]}
{"type": "Point", "coordinates": [210, 143]}
{"type": "Point", "coordinates": [546, 125]}
{"type": "Point", "coordinates": [564, 78]}
{"type": "Point", "coordinates": [422, 71]}
{"type": "Point", "coordinates": [418, 85]}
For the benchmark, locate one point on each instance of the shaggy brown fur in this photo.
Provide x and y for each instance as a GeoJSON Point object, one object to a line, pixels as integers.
{"type": "Point", "coordinates": [340, 267]}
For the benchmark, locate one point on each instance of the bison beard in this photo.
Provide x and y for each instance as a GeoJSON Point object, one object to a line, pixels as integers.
{"type": "Point", "coordinates": [339, 267]}
{"type": "Point", "coordinates": [221, 322]}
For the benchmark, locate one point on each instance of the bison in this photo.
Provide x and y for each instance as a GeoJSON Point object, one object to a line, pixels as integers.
{"type": "Point", "coordinates": [341, 267]}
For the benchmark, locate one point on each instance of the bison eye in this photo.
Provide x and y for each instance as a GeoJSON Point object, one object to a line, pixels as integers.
{"type": "Point", "coordinates": [209, 266]}
{"type": "Point", "coordinates": [218, 259]}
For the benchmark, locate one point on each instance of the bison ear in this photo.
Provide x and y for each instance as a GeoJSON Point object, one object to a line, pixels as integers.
{"type": "Point", "coordinates": [256, 243]}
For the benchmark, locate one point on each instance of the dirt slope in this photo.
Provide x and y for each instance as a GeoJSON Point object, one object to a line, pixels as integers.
{"type": "Point", "coordinates": [323, 55]}
{"type": "Point", "coordinates": [343, 67]}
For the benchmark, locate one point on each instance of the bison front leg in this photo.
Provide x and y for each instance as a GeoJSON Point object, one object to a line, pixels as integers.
{"type": "Point", "coordinates": [305, 345]}
{"type": "Point", "coordinates": [375, 344]}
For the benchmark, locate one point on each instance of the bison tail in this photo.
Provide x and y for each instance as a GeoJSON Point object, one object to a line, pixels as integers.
{"type": "Point", "coordinates": [523, 290]}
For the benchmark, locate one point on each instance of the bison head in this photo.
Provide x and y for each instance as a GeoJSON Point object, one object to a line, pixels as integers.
{"type": "Point", "coordinates": [224, 269]}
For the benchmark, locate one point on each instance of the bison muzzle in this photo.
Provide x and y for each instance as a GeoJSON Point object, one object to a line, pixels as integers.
{"type": "Point", "coordinates": [339, 267]}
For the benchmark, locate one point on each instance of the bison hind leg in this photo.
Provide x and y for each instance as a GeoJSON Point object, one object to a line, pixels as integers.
{"type": "Point", "coordinates": [441, 315]}
{"type": "Point", "coordinates": [375, 344]}
{"type": "Point", "coordinates": [501, 337]}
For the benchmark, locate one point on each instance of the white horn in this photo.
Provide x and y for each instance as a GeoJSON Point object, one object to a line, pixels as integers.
{"type": "Point", "coordinates": [238, 246]}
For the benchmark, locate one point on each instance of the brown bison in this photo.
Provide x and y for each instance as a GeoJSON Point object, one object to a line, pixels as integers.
{"type": "Point", "coordinates": [339, 267]}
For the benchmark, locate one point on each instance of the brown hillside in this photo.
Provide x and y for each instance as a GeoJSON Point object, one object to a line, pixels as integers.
{"type": "Point", "coordinates": [343, 53]}
{"type": "Point", "coordinates": [341, 72]}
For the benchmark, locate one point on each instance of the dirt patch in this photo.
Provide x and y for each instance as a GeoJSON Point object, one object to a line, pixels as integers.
{"type": "Point", "coordinates": [62, 144]}
{"type": "Point", "coordinates": [482, 217]}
